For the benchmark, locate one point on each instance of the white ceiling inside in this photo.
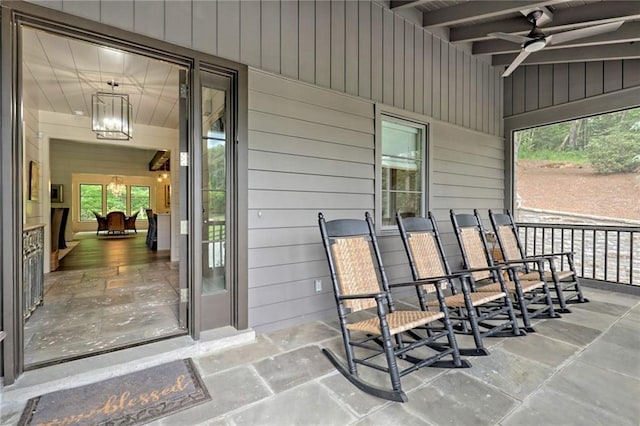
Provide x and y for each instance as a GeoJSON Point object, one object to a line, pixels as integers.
{"type": "Point", "coordinates": [60, 75]}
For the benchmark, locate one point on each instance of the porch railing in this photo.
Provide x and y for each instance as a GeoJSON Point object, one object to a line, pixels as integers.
{"type": "Point", "coordinates": [604, 253]}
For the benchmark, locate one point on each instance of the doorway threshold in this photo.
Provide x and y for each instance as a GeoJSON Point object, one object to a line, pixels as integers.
{"type": "Point", "coordinates": [100, 367]}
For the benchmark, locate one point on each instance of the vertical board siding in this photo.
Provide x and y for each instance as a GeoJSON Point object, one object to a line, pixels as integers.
{"type": "Point", "coordinates": [358, 47]}
{"type": "Point", "coordinates": [377, 52]}
{"type": "Point", "coordinates": [337, 45]}
{"type": "Point", "coordinates": [323, 43]}
{"type": "Point", "coordinates": [444, 81]}
{"type": "Point", "coordinates": [409, 57]}
{"type": "Point", "coordinates": [307, 41]}
{"type": "Point", "coordinates": [228, 26]}
{"type": "Point", "coordinates": [270, 36]}
{"type": "Point", "coordinates": [351, 48]}
{"type": "Point", "coordinates": [612, 76]}
{"type": "Point", "coordinates": [534, 87]}
{"type": "Point", "coordinates": [398, 61]}
{"type": "Point", "coordinates": [435, 81]}
{"type": "Point", "coordinates": [418, 45]}
{"type": "Point", "coordinates": [250, 33]}
{"type": "Point", "coordinates": [148, 18]}
{"type": "Point", "coordinates": [427, 68]}
{"type": "Point", "coordinates": [118, 14]}
{"type": "Point", "coordinates": [289, 38]}
{"type": "Point", "coordinates": [387, 57]}
{"type": "Point", "coordinates": [365, 42]}
{"type": "Point", "coordinates": [205, 36]}
{"type": "Point", "coordinates": [177, 26]}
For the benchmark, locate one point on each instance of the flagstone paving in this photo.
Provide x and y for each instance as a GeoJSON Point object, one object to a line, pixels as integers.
{"type": "Point", "coordinates": [581, 369]}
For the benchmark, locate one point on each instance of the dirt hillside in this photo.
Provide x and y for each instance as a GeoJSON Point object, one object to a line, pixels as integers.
{"type": "Point", "coordinates": [577, 189]}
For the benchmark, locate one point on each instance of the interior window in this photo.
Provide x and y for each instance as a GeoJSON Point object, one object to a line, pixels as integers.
{"type": "Point", "coordinates": [90, 201]}
{"type": "Point", "coordinates": [140, 200]}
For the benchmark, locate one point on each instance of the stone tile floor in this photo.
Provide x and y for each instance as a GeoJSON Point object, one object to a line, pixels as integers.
{"type": "Point", "coordinates": [95, 309]}
{"type": "Point", "coordinates": [582, 369]}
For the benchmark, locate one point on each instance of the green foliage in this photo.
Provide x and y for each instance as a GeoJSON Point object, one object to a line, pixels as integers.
{"type": "Point", "coordinates": [616, 152]}
{"type": "Point", "coordinates": [575, 157]}
{"type": "Point", "coordinates": [611, 142]}
{"type": "Point", "coordinates": [90, 201]}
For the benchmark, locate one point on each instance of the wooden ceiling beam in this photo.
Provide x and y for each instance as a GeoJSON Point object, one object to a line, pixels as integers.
{"type": "Point", "coordinates": [563, 19]}
{"type": "Point", "coordinates": [403, 4]}
{"type": "Point", "coordinates": [476, 10]}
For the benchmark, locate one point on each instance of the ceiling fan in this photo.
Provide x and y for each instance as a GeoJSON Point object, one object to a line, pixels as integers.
{"type": "Point", "coordinates": [537, 40]}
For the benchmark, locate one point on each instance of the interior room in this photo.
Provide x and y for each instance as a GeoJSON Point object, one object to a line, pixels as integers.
{"type": "Point", "coordinates": [100, 127]}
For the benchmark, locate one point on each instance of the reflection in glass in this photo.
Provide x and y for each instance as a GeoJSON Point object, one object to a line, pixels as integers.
{"type": "Point", "coordinates": [402, 170]}
{"type": "Point", "coordinates": [214, 194]}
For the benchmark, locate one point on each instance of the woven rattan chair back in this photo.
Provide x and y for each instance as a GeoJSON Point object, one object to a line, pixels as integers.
{"type": "Point", "coordinates": [509, 242]}
{"type": "Point", "coordinates": [424, 250]}
{"type": "Point", "coordinates": [474, 251]}
{"type": "Point", "coordinates": [355, 270]}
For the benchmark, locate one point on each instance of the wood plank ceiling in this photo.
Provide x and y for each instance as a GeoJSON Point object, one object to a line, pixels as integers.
{"type": "Point", "coordinates": [61, 74]}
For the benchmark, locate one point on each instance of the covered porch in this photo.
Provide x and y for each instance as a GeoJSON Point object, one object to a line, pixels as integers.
{"type": "Point", "coordinates": [583, 368]}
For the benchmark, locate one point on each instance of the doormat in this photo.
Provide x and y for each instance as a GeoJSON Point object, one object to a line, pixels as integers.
{"type": "Point", "coordinates": [132, 399]}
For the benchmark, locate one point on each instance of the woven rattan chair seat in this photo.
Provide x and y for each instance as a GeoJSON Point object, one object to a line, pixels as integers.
{"type": "Point", "coordinates": [526, 286]}
{"type": "Point", "coordinates": [399, 321]}
{"type": "Point", "coordinates": [477, 299]}
{"type": "Point", "coordinates": [534, 275]}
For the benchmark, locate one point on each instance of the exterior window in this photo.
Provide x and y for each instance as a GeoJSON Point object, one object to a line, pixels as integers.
{"type": "Point", "coordinates": [90, 201]}
{"type": "Point", "coordinates": [403, 169]}
{"type": "Point", "coordinates": [140, 200]}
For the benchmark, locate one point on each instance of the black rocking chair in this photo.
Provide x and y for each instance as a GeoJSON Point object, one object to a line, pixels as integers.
{"type": "Point", "coordinates": [469, 310]}
{"type": "Point", "coordinates": [388, 336]}
{"type": "Point", "coordinates": [532, 296]}
{"type": "Point", "coordinates": [564, 281]}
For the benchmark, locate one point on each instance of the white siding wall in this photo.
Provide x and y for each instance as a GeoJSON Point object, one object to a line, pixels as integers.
{"type": "Point", "coordinates": [535, 87]}
{"type": "Point", "coordinates": [357, 47]}
{"type": "Point", "coordinates": [33, 209]}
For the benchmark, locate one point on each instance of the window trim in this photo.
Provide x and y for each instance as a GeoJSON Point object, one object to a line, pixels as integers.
{"type": "Point", "coordinates": [414, 120]}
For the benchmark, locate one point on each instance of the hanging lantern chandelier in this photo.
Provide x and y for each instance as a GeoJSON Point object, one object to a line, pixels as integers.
{"type": "Point", "coordinates": [111, 114]}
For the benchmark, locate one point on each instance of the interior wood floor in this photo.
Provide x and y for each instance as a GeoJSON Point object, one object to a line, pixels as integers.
{"type": "Point", "coordinates": [107, 294]}
{"type": "Point", "coordinates": [96, 251]}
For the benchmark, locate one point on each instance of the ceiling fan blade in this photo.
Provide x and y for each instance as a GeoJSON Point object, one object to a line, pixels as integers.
{"type": "Point", "coordinates": [563, 37]}
{"type": "Point", "coordinates": [521, 57]}
{"type": "Point", "coordinates": [511, 37]}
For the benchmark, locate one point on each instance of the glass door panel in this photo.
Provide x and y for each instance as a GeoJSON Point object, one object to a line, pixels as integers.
{"type": "Point", "coordinates": [215, 207]}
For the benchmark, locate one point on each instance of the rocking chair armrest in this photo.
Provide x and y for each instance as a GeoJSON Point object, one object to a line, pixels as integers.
{"type": "Point", "coordinates": [560, 253]}
{"type": "Point", "coordinates": [496, 267]}
{"type": "Point", "coordinates": [430, 280]}
{"type": "Point", "coordinates": [537, 260]}
{"type": "Point", "coordinates": [364, 296]}
{"type": "Point", "coordinates": [509, 265]}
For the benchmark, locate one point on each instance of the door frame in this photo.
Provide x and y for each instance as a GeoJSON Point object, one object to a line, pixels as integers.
{"type": "Point", "coordinates": [12, 14]}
